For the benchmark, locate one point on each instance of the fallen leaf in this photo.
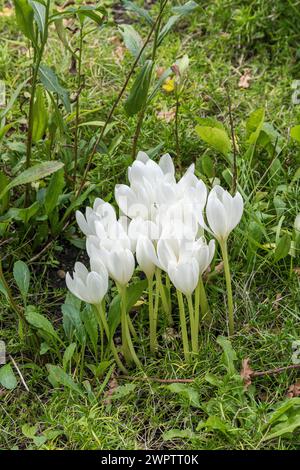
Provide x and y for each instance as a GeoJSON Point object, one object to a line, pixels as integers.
{"type": "Point", "coordinates": [244, 81]}
{"type": "Point", "coordinates": [119, 53]}
{"type": "Point", "coordinates": [297, 271]}
{"type": "Point", "coordinates": [294, 390]}
{"type": "Point", "coordinates": [166, 115]}
{"type": "Point", "coordinates": [277, 301]}
{"type": "Point", "coordinates": [246, 373]}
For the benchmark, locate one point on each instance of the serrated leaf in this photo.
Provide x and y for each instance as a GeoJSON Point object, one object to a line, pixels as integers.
{"type": "Point", "coordinates": [22, 277]}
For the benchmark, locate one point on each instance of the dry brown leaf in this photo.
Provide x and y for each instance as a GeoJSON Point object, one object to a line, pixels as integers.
{"type": "Point", "coordinates": [246, 373]}
{"type": "Point", "coordinates": [277, 301]}
{"type": "Point", "coordinates": [166, 115]}
{"type": "Point", "coordinates": [294, 390]}
{"type": "Point", "coordinates": [119, 53]}
{"type": "Point", "coordinates": [297, 271]}
{"type": "Point", "coordinates": [160, 71]}
{"type": "Point", "coordinates": [244, 81]}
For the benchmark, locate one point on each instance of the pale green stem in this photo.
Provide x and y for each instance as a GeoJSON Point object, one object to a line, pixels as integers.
{"type": "Point", "coordinates": [156, 304]}
{"type": "Point", "coordinates": [126, 333]}
{"type": "Point", "coordinates": [131, 327]}
{"type": "Point", "coordinates": [164, 299]}
{"type": "Point", "coordinates": [223, 245]}
{"type": "Point", "coordinates": [194, 326]}
{"type": "Point", "coordinates": [102, 320]}
{"type": "Point", "coordinates": [205, 311]}
{"type": "Point", "coordinates": [184, 334]}
{"type": "Point", "coordinates": [152, 322]}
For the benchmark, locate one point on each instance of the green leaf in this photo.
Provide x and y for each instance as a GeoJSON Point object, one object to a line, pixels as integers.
{"type": "Point", "coordinates": [22, 277]}
{"type": "Point", "coordinates": [7, 377]}
{"type": "Point", "coordinates": [50, 81]}
{"type": "Point", "coordinates": [72, 323]}
{"type": "Point", "coordinates": [95, 13]}
{"type": "Point", "coordinates": [287, 417]}
{"type": "Point", "coordinates": [40, 115]}
{"type": "Point", "coordinates": [54, 190]}
{"type": "Point", "coordinates": [68, 354]}
{"type": "Point", "coordinates": [210, 122]}
{"type": "Point", "coordinates": [4, 181]}
{"type": "Point", "coordinates": [139, 91]}
{"type": "Point", "coordinates": [39, 15]}
{"type": "Point", "coordinates": [215, 137]}
{"type": "Point", "coordinates": [283, 247]}
{"type": "Point", "coordinates": [208, 166]}
{"type": "Point", "coordinates": [166, 29]}
{"type": "Point", "coordinates": [295, 133]}
{"type": "Point", "coordinates": [134, 292]}
{"type": "Point", "coordinates": [255, 121]}
{"type": "Point", "coordinates": [13, 99]}
{"type": "Point", "coordinates": [229, 354]}
{"type": "Point", "coordinates": [21, 214]}
{"type": "Point", "coordinates": [130, 6]}
{"type": "Point", "coordinates": [185, 9]}
{"type": "Point", "coordinates": [132, 39]}
{"type": "Point", "coordinates": [214, 423]}
{"type": "Point", "coordinates": [99, 369]}
{"type": "Point", "coordinates": [178, 434]}
{"type": "Point", "coordinates": [90, 324]}
{"type": "Point", "coordinates": [24, 17]}
{"type": "Point", "coordinates": [35, 173]}
{"type": "Point", "coordinates": [57, 376]}
{"type": "Point", "coordinates": [40, 322]}
{"type": "Point", "coordinates": [187, 391]}
{"type": "Point", "coordinates": [122, 391]}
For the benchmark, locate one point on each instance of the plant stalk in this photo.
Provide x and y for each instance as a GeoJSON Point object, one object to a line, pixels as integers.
{"type": "Point", "coordinates": [185, 341]}
{"type": "Point", "coordinates": [223, 245]}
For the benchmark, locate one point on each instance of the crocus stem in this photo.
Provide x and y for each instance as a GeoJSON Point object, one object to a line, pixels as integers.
{"type": "Point", "coordinates": [156, 304]}
{"type": "Point", "coordinates": [224, 250]}
{"type": "Point", "coordinates": [194, 326]}
{"type": "Point", "coordinates": [164, 299]}
{"type": "Point", "coordinates": [205, 311]}
{"type": "Point", "coordinates": [184, 334]}
{"type": "Point", "coordinates": [102, 319]}
{"type": "Point", "coordinates": [131, 327]}
{"type": "Point", "coordinates": [126, 333]}
{"type": "Point", "coordinates": [152, 322]}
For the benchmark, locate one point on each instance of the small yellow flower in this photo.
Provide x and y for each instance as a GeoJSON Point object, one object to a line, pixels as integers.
{"type": "Point", "coordinates": [169, 85]}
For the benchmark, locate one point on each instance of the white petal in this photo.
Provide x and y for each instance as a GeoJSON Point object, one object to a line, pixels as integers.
{"type": "Point", "coordinates": [216, 217]}
{"type": "Point", "coordinates": [167, 165]}
{"type": "Point", "coordinates": [81, 221]}
{"type": "Point", "coordinates": [142, 157]}
{"type": "Point", "coordinates": [237, 210]}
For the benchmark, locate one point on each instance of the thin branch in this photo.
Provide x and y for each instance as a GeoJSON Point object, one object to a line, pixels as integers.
{"type": "Point", "coordinates": [19, 372]}
{"type": "Point", "coordinates": [235, 151]}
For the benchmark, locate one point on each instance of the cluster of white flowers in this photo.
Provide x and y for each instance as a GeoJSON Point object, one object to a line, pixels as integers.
{"type": "Point", "coordinates": [161, 225]}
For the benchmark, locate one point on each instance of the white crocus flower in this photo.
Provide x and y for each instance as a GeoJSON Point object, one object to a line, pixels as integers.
{"type": "Point", "coordinates": [146, 256]}
{"type": "Point", "coordinates": [101, 211]}
{"type": "Point", "coordinates": [223, 212]}
{"type": "Point", "coordinates": [184, 275]}
{"type": "Point", "coordinates": [89, 287]}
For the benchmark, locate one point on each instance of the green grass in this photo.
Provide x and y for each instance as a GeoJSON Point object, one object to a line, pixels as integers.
{"type": "Point", "coordinates": [222, 41]}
